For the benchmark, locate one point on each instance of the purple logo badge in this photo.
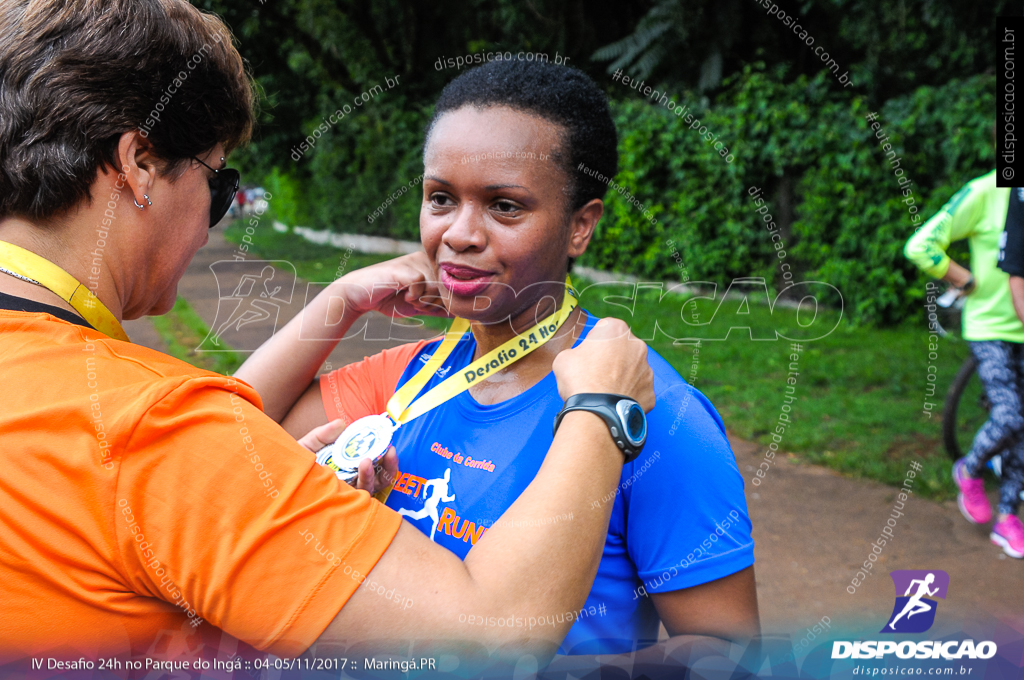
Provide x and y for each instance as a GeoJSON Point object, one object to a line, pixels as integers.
{"type": "Point", "coordinates": [914, 611]}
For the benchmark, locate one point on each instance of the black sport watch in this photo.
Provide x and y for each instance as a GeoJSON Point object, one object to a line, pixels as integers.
{"type": "Point", "coordinates": [625, 418]}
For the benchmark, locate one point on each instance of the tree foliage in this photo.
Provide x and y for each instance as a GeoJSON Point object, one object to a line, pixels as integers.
{"type": "Point", "coordinates": [794, 131]}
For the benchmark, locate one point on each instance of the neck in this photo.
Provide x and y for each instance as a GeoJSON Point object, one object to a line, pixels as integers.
{"type": "Point", "coordinates": [490, 336]}
{"type": "Point", "coordinates": [74, 248]}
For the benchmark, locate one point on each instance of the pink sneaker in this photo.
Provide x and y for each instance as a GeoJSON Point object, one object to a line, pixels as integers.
{"type": "Point", "coordinates": [1009, 534]}
{"type": "Point", "coordinates": [972, 500]}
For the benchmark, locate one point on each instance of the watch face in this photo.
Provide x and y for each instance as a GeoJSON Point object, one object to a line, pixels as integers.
{"type": "Point", "coordinates": [633, 420]}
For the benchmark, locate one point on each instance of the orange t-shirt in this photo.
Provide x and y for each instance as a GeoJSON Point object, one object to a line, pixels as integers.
{"type": "Point", "coordinates": [364, 388]}
{"type": "Point", "coordinates": [149, 507]}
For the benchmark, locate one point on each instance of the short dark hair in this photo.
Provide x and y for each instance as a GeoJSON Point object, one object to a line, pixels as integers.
{"type": "Point", "coordinates": [76, 75]}
{"type": "Point", "coordinates": [561, 94]}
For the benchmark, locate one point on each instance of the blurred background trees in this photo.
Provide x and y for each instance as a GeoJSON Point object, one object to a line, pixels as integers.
{"type": "Point", "coordinates": [926, 66]}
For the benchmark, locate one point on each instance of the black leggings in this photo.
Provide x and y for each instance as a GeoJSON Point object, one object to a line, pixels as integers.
{"type": "Point", "coordinates": [1001, 369]}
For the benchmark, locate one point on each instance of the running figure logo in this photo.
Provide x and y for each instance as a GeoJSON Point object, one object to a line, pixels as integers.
{"type": "Point", "coordinates": [914, 612]}
{"type": "Point", "coordinates": [250, 296]}
{"type": "Point", "coordinates": [438, 488]}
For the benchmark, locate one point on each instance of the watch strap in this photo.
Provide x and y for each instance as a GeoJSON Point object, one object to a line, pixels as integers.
{"type": "Point", "coordinates": [603, 405]}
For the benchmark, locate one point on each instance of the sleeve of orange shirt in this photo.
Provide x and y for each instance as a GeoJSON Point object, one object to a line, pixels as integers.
{"type": "Point", "coordinates": [220, 512]}
{"type": "Point", "coordinates": [364, 388]}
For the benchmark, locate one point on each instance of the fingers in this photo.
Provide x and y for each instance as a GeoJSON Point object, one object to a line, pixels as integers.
{"type": "Point", "coordinates": [622, 359]}
{"type": "Point", "coordinates": [383, 478]}
{"type": "Point", "coordinates": [610, 328]}
{"type": "Point", "coordinates": [365, 481]}
{"type": "Point", "coordinates": [389, 467]}
{"type": "Point", "coordinates": [319, 437]}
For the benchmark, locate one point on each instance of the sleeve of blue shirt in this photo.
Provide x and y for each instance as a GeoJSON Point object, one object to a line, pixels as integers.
{"type": "Point", "coordinates": [687, 520]}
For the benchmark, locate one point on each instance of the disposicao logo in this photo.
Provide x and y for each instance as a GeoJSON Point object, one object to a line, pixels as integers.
{"type": "Point", "coordinates": [914, 612]}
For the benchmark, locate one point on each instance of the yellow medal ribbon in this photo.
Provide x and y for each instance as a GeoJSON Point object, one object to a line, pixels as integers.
{"type": "Point", "coordinates": [401, 406]}
{"type": "Point", "coordinates": [28, 265]}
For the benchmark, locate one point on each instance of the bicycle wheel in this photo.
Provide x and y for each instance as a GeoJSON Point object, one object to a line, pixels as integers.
{"type": "Point", "coordinates": [965, 411]}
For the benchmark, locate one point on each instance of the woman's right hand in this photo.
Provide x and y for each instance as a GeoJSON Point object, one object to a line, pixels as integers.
{"type": "Point", "coordinates": [611, 360]}
{"type": "Point", "coordinates": [405, 285]}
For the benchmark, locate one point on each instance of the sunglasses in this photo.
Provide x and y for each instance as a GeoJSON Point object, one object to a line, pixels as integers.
{"type": "Point", "coordinates": [223, 187]}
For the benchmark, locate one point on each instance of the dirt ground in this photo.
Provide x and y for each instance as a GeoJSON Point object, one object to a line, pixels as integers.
{"type": "Point", "coordinates": [812, 527]}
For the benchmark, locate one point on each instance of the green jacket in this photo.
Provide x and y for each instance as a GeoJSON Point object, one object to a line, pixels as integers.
{"type": "Point", "coordinates": [978, 213]}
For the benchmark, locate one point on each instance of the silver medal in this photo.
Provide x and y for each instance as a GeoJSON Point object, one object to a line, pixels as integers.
{"type": "Point", "coordinates": [368, 438]}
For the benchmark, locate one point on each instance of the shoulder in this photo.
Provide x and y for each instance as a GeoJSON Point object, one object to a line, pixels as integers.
{"type": "Point", "coordinates": [978, 189]}
{"type": "Point", "coordinates": [672, 390]}
{"type": "Point", "coordinates": [386, 366]}
{"type": "Point", "coordinates": [409, 351]}
{"type": "Point", "coordinates": [417, 351]}
{"type": "Point", "coordinates": [983, 188]}
{"type": "Point", "coordinates": [683, 419]}
{"type": "Point", "coordinates": [134, 366]}
{"type": "Point", "coordinates": [678, 405]}
{"type": "Point", "coordinates": [984, 184]}
{"type": "Point", "coordinates": [364, 387]}
{"type": "Point", "coordinates": [64, 350]}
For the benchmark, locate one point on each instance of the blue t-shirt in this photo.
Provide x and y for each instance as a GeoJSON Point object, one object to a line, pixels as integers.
{"type": "Point", "coordinates": [679, 517]}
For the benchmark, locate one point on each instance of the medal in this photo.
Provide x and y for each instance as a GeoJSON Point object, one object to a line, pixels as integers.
{"type": "Point", "coordinates": [369, 437]}
{"type": "Point", "coordinates": [366, 438]}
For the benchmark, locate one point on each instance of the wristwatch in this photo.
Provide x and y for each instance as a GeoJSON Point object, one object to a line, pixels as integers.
{"type": "Point", "coordinates": [625, 419]}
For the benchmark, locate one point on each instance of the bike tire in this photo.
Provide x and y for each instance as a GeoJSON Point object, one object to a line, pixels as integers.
{"type": "Point", "coordinates": [952, 404]}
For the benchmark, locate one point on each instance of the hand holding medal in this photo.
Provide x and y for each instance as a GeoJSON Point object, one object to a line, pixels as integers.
{"type": "Point", "coordinates": [372, 474]}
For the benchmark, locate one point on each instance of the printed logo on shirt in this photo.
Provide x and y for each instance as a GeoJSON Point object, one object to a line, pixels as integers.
{"type": "Point", "coordinates": [457, 527]}
{"type": "Point", "coordinates": [441, 372]}
{"type": "Point", "coordinates": [435, 492]}
{"type": "Point", "coordinates": [458, 458]}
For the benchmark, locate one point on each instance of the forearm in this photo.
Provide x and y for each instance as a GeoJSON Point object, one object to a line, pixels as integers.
{"type": "Point", "coordinates": [284, 366]}
{"type": "Point", "coordinates": [1017, 292]}
{"type": "Point", "coordinates": [679, 651]}
{"type": "Point", "coordinates": [543, 553]}
{"type": "Point", "coordinates": [528, 564]}
{"type": "Point", "coordinates": [927, 247]}
{"type": "Point", "coordinates": [956, 275]}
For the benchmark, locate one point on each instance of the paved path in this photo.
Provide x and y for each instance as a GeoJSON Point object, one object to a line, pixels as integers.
{"type": "Point", "coordinates": [200, 287]}
{"type": "Point", "coordinates": [812, 527]}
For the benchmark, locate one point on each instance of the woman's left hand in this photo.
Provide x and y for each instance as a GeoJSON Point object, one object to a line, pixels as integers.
{"type": "Point", "coordinates": [406, 285]}
{"type": "Point", "coordinates": [319, 437]}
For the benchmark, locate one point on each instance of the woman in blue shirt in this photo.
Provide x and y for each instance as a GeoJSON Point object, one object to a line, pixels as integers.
{"type": "Point", "coordinates": [512, 191]}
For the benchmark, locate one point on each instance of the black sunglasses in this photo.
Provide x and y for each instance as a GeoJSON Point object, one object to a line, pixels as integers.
{"type": "Point", "coordinates": [223, 187]}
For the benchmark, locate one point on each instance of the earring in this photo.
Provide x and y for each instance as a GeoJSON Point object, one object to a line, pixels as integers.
{"type": "Point", "coordinates": [146, 196]}
{"type": "Point", "coordinates": [140, 207]}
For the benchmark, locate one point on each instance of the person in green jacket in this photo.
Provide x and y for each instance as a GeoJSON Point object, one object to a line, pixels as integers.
{"type": "Point", "coordinates": [996, 336]}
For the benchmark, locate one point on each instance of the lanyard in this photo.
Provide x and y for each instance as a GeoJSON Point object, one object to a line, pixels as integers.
{"type": "Point", "coordinates": [401, 406]}
{"type": "Point", "coordinates": [27, 265]}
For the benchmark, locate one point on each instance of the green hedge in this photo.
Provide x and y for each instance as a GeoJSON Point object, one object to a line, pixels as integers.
{"type": "Point", "coordinates": [805, 139]}
{"type": "Point", "coordinates": [849, 217]}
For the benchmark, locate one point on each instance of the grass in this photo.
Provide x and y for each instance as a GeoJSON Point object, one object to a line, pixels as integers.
{"type": "Point", "coordinates": [860, 391]}
{"type": "Point", "coordinates": [312, 262]}
{"type": "Point", "coordinates": [183, 331]}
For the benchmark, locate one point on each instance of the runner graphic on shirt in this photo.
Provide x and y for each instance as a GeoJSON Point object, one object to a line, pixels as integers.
{"type": "Point", "coordinates": [440, 494]}
{"type": "Point", "coordinates": [914, 604]}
